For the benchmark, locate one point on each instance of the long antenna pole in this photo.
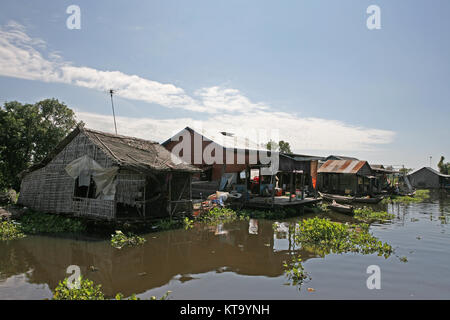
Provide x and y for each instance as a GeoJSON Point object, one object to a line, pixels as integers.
{"type": "Point", "coordinates": [112, 104]}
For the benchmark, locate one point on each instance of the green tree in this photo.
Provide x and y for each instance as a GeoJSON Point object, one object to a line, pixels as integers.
{"type": "Point", "coordinates": [281, 146]}
{"type": "Point", "coordinates": [29, 132]}
{"type": "Point", "coordinates": [444, 167]}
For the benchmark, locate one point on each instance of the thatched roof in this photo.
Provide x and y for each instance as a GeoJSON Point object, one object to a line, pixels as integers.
{"type": "Point", "coordinates": [128, 152]}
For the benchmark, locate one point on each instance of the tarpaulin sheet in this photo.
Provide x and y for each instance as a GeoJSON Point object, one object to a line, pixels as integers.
{"type": "Point", "coordinates": [104, 178]}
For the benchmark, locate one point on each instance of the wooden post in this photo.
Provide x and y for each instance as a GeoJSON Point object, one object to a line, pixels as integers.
{"type": "Point", "coordinates": [246, 184]}
{"type": "Point", "coordinates": [274, 179]}
{"type": "Point", "coordinates": [259, 181]}
{"type": "Point", "coordinates": [291, 182]}
{"type": "Point", "coordinates": [169, 205]}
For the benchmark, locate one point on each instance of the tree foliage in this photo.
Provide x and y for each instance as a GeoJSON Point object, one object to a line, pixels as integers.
{"type": "Point", "coordinates": [29, 132]}
{"type": "Point", "coordinates": [444, 168]}
{"type": "Point", "coordinates": [281, 146]}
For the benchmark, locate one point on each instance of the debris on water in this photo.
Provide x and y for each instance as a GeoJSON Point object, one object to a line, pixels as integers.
{"type": "Point", "coordinates": [93, 269]}
{"type": "Point", "coordinates": [403, 259]}
{"type": "Point", "coordinates": [267, 244]}
{"type": "Point", "coordinates": [311, 290]}
{"type": "Point", "coordinates": [418, 237]}
{"type": "Point", "coordinates": [142, 274]}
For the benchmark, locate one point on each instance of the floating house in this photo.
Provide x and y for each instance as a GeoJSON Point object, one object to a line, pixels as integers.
{"type": "Point", "coordinates": [100, 175]}
{"type": "Point", "coordinates": [429, 178]}
{"type": "Point", "coordinates": [384, 177]}
{"type": "Point", "coordinates": [230, 162]}
{"type": "Point", "coordinates": [353, 177]}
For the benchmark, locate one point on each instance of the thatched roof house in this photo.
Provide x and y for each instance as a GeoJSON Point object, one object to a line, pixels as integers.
{"type": "Point", "coordinates": [101, 175]}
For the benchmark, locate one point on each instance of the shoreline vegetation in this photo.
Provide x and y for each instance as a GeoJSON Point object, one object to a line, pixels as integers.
{"type": "Point", "coordinates": [30, 222]}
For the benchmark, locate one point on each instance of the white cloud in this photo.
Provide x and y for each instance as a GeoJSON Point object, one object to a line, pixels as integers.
{"type": "Point", "coordinates": [228, 109]}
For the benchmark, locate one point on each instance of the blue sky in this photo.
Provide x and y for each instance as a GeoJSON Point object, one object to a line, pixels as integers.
{"type": "Point", "coordinates": [310, 69]}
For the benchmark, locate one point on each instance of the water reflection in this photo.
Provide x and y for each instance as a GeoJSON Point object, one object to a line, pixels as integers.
{"type": "Point", "coordinates": [244, 247]}
{"type": "Point", "coordinates": [237, 251]}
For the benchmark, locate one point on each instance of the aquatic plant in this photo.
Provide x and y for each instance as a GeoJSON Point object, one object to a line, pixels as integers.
{"type": "Point", "coordinates": [120, 296]}
{"type": "Point", "coordinates": [33, 222]}
{"type": "Point", "coordinates": [368, 215]}
{"type": "Point", "coordinates": [295, 271]}
{"type": "Point", "coordinates": [420, 196]}
{"type": "Point", "coordinates": [188, 223]}
{"type": "Point", "coordinates": [220, 215]}
{"type": "Point", "coordinates": [10, 230]}
{"type": "Point", "coordinates": [269, 214]}
{"type": "Point", "coordinates": [334, 237]}
{"type": "Point", "coordinates": [86, 291]}
{"type": "Point", "coordinates": [168, 224]}
{"type": "Point", "coordinates": [120, 240]}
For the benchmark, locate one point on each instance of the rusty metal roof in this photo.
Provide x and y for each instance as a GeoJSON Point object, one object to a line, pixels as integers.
{"type": "Point", "coordinates": [341, 166]}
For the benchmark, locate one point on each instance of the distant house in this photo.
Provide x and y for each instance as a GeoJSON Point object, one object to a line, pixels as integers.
{"type": "Point", "coordinates": [101, 175]}
{"type": "Point", "coordinates": [429, 178]}
{"type": "Point", "coordinates": [346, 177]}
{"type": "Point", "coordinates": [334, 157]}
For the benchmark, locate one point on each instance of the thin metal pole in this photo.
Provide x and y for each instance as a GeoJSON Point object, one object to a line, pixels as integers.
{"type": "Point", "coordinates": [112, 104]}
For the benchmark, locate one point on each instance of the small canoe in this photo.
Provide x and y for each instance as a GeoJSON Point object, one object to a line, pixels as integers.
{"type": "Point", "coordinates": [340, 208]}
{"type": "Point", "coordinates": [337, 198]}
{"type": "Point", "coordinates": [368, 200]}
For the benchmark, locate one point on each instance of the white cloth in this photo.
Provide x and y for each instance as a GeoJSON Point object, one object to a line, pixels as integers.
{"type": "Point", "coordinates": [85, 167]}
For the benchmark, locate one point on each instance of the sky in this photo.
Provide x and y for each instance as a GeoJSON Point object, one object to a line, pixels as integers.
{"type": "Point", "coordinates": [309, 71]}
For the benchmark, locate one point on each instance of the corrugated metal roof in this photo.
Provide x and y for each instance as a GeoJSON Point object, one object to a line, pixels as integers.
{"type": "Point", "coordinates": [341, 166]}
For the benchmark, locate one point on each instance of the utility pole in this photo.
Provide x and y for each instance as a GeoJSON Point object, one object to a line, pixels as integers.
{"type": "Point", "coordinates": [111, 92]}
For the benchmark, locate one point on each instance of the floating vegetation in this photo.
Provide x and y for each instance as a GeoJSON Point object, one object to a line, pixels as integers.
{"type": "Point", "coordinates": [188, 223]}
{"type": "Point", "coordinates": [295, 272]}
{"type": "Point", "coordinates": [120, 240]}
{"type": "Point", "coordinates": [168, 224]}
{"type": "Point", "coordinates": [220, 215]}
{"type": "Point", "coordinates": [269, 214]}
{"type": "Point", "coordinates": [10, 230]}
{"type": "Point", "coordinates": [367, 215]}
{"type": "Point", "coordinates": [33, 222]}
{"type": "Point", "coordinates": [404, 259]}
{"type": "Point", "coordinates": [420, 196]}
{"type": "Point", "coordinates": [334, 237]}
{"type": "Point", "coordinates": [88, 291]}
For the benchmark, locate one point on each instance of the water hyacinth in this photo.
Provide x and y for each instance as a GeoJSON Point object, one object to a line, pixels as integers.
{"type": "Point", "coordinates": [334, 237]}
{"type": "Point", "coordinates": [368, 215]}
{"type": "Point", "coordinates": [10, 230]}
{"type": "Point", "coordinates": [120, 240]}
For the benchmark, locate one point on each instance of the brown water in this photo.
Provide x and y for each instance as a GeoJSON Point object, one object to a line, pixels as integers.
{"type": "Point", "coordinates": [241, 260]}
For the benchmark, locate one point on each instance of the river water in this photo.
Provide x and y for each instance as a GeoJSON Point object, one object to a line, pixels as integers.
{"type": "Point", "coordinates": [241, 260]}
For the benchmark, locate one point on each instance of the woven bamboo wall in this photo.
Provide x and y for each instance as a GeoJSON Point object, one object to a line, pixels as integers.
{"type": "Point", "coordinates": [50, 189]}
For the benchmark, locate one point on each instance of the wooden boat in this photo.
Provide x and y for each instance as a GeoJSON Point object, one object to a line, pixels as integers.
{"type": "Point", "coordinates": [372, 200]}
{"type": "Point", "coordinates": [340, 208]}
{"type": "Point", "coordinates": [337, 198]}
